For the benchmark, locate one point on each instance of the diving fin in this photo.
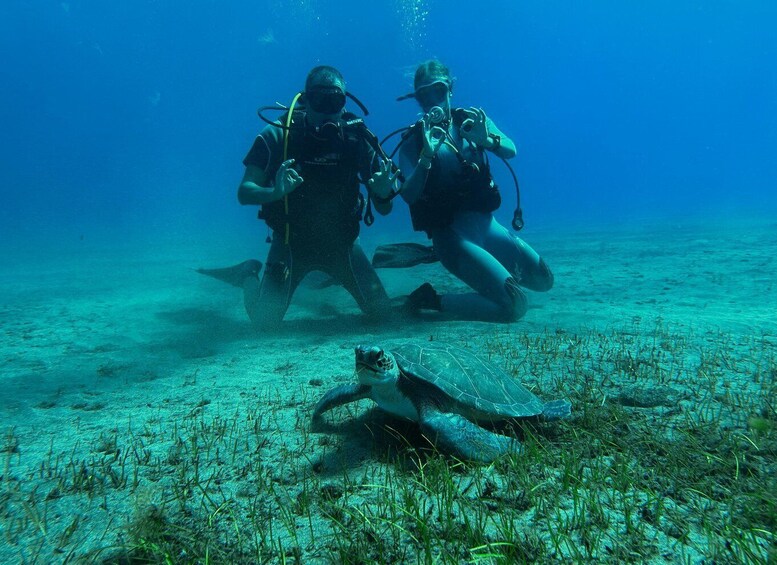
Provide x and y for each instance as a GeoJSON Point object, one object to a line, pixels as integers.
{"type": "Point", "coordinates": [235, 275]}
{"type": "Point", "coordinates": [400, 255]}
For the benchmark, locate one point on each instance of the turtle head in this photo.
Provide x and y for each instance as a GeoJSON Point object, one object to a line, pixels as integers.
{"type": "Point", "coordinates": [375, 365]}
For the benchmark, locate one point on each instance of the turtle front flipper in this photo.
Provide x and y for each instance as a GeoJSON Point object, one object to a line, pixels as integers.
{"type": "Point", "coordinates": [458, 436]}
{"type": "Point", "coordinates": [340, 395]}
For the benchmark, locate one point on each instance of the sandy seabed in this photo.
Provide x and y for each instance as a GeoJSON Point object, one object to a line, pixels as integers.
{"type": "Point", "coordinates": [143, 420]}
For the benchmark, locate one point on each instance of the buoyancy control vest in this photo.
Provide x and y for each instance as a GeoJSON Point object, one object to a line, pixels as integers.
{"type": "Point", "coordinates": [327, 207]}
{"type": "Point", "coordinates": [471, 188]}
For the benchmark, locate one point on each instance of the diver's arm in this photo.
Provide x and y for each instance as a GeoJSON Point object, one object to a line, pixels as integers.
{"type": "Point", "coordinates": [253, 189]}
{"type": "Point", "coordinates": [265, 180]}
{"type": "Point", "coordinates": [506, 148]}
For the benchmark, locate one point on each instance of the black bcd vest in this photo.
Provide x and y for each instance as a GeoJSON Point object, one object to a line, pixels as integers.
{"type": "Point", "coordinates": [327, 207]}
{"type": "Point", "coordinates": [472, 189]}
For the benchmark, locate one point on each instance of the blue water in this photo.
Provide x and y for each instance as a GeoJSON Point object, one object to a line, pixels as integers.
{"type": "Point", "coordinates": [127, 122]}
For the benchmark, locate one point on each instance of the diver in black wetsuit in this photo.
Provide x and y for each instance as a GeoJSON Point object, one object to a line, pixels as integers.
{"type": "Point", "coordinates": [452, 196]}
{"type": "Point", "coordinates": [305, 171]}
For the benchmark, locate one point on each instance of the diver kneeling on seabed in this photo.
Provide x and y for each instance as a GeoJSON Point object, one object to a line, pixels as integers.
{"type": "Point", "coordinates": [305, 171]}
{"type": "Point", "coordinates": [448, 185]}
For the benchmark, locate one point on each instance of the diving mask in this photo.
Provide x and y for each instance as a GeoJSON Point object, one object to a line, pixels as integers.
{"type": "Point", "coordinates": [434, 94]}
{"type": "Point", "coordinates": [325, 100]}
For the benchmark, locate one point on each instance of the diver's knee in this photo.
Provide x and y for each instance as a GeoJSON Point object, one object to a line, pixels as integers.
{"type": "Point", "coordinates": [517, 303]}
{"type": "Point", "coordinates": [251, 291]}
{"type": "Point", "coordinates": [545, 278]}
{"type": "Point", "coordinates": [266, 310]}
{"type": "Point", "coordinates": [251, 298]}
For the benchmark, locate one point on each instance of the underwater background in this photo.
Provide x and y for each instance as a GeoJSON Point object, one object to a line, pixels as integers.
{"type": "Point", "coordinates": [143, 420]}
{"type": "Point", "coordinates": [128, 122]}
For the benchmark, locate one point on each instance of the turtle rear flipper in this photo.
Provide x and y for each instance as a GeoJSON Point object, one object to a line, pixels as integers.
{"type": "Point", "coordinates": [556, 410]}
{"type": "Point", "coordinates": [455, 434]}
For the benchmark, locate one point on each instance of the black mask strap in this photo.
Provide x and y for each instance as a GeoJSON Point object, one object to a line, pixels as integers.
{"type": "Point", "coordinates": [358, 103]}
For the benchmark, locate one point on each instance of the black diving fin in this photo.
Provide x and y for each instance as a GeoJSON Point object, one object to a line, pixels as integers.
{"type": "Point", "coordinates": [393, 256]}
{"type": "Point", "coordinates": [401, 255]}
{"type": "Point", "coordinates": [235, 275]}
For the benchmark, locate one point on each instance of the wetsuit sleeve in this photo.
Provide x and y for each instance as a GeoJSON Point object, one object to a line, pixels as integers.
{"type": "Point", "coordinates": [493, 129]}
{"type": "Point", "coordinates": [266, 152]}
{"type": "Point", "coordinates": [507, 149]}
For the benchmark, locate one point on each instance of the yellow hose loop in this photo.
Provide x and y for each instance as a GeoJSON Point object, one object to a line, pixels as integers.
{"type": "Point", "coordinates": [285, 156]}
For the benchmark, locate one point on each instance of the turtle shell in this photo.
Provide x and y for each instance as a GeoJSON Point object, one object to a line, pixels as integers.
{"type": "Point", "coordinates": [467, 379]}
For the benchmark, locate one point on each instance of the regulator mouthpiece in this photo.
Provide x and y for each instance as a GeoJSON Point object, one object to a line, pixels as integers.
{"type": "Point", "coordinates": [436, 115]}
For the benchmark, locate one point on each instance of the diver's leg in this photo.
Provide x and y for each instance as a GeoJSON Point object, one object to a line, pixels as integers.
{"type": "Point", "coordinates": [518, 257]}
{"type": "Point", "coordinates": [498, 297]}
{"type": "Point", "coordinates": [352, 269]}
{"type": "Point", "coordinates": [266, 301]}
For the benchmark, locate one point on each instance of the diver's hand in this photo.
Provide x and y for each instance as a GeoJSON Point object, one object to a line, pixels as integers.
{"type": "Point", "coordinates": [434, 137]}
{"type": "Point", "coordinates": [381, 184]}
{"type": "Point", "coordinates": [475, 128]}
{"type": "Point", "coordinates": [287, 179]}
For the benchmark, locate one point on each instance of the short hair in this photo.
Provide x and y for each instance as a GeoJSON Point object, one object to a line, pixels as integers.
{"type": "Point", "coordinates": [431, 69]}
{"type": "Point", "coordinates": [324, 75]}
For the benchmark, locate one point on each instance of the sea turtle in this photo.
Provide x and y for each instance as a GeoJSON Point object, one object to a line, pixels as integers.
{"type": "Point", "coordinates": [447, 390]}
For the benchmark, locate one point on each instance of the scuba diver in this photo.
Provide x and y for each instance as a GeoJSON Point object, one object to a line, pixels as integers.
{"type": "Point", "coordinates": [304, 170]}
{"type": "Point", "coordinates": [451, 194]}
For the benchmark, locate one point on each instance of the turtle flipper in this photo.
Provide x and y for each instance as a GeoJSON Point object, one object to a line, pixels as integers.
{"type": "Point", "coordinates": [340, 395]}
{"type": "Point", "coordinates": [556, 410]}
{"type": "Point", "coordinates": [455, 434]}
